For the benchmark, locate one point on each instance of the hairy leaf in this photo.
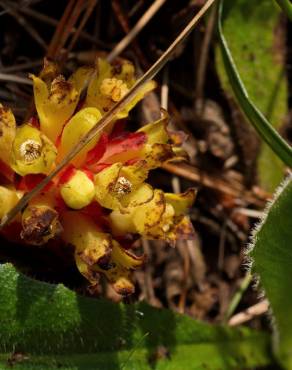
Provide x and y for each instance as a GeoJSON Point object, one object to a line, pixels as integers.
{"type": "Point", "coordinates": [252, 30]}
{"type": "Point", "coordinates": [271, 254]}
{"type": "Point", "coordinates": [47, 326]}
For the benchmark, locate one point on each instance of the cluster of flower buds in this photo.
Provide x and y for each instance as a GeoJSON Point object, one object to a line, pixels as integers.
{"type": "Point", "coordinates": [100, 203]}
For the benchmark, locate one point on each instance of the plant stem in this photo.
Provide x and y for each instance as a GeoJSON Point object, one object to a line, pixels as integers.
{"type": "Point", "coordinates": [286, 6]}
{"type": "Point", "coordinates": [237, 297]}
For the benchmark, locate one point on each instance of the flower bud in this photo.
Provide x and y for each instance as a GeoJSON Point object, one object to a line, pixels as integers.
{"type": "Point", "coordinates": [78, 191]}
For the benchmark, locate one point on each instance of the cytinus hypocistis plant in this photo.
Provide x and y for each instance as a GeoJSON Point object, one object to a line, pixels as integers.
{"type": "Point", "coordinates": [100, 203]}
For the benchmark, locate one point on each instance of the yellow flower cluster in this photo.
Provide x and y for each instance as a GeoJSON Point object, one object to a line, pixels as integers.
{"type": "Point", "coordinates": [100, 203]}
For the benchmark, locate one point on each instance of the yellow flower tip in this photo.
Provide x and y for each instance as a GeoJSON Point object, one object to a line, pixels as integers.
{"type": "Point", "coordinates": [124, 70]}
{"type": "Point", "coordinates": [124, 286]}
{"type": "Point", "coordinates": [50, 71]}
{"type": "Point", "coordinates": [39, 224]}
{"type": "Point", "coordinates": [62, 92]}
{"type": "Point", "coordinates": [32, 152]}
{"type": "Point", "coordinates": [156, 132]}
{"type": "Point", "coordinates": [181, 202]}
{"type": "Point", "coordinates": [182, 230]}
{"type": "Point", "coordinates": [78, 191]}
{"type": "Point", "coordinates": [118, 269]}
{"type": "Point", "coordinates": [7, 133]}
{"type": "Point", "coordinates": [157, 154]}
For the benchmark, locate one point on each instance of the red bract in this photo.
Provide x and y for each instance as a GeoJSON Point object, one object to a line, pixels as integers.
{"type": "Point", "coordinates": [94, 155]}
{"type": "Point", "coordinates": [6, 171]}
{"type": "Point", "coordinates": [33, 121]}
{"type": "Point", "coordinates": [28, 182]}
{"type": "Point", "coordinates": [119, 129]}
{"type": "Point", "coordinates": [125, 146]}
{"type": "Point", "coordinates": [66, 174]}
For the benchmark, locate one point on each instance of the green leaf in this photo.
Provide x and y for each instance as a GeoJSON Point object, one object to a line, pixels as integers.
{"type": "Point", "coordinates": [250, 27]}
{"type": "Point", "coordinates": [286, 6]}
{"type": "Point", "coordinates": [51, 327]}
{"type": "Point", "coordinates": [271, 254]}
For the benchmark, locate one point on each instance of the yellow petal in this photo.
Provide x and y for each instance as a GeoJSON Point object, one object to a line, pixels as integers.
{"type": "Point", "coordinates": [161, 229]}
{"type": "Point", "coordinates": [156, 131]}
{"type": "Point", "coordinates": [7, 133]}
{"type": "Point", "coordinates": [181, 202]}
{"type": "Point", "coordinates": [118, 269]}
{"type": "Point", "coordinates": [122, 223]}
{"type": "Point", "coordinates": [32, 152]}
{"type": "Point", "coordinates": [149, 86]}
{"type": "Point", "coordinates": [144, 210]}
{"type": "Point", "coordinates": [96, 252]}
{"type": "Point", "coordinates": [49, 72]}
{"type": "Point", "coordinates": [8, 199]}
{"type": "Point", "coordinates": [136, 173]}
{"type": "Point", "coordinates": [103, 70]}
{"type": "Point", "coordinates": [75, 130]}
{"type": "Point", "coordinates": [149, 214]}
{"type": "Point", "coordinates": [124, 258]}
{"type": "Point", "coordinates": [110, 83]}
{"type": "Point", "coordinates": [181, 230]}
{"type": "Point", "coordinates": [55, 104]}
{"type": "Point", "coordinates": [155, 155]}
{"type": "Point", "coordinates": [122, 283]}
{"type": "Point", "coordinates": [141, 195]}
{"type": "Point", "coordinates": [91, 245]}
{"type": "Point", "coordinates": [125, 71]}
{"type": "Point", "coordinates": [80, 78]}
{"type": "Point", "coordinates": [107, 186]}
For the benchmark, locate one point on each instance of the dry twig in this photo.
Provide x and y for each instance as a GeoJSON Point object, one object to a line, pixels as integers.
{"type": "Point", "coordinates": [247, 315]}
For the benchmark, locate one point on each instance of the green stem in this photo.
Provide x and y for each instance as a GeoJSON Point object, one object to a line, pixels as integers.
{"type": "Point", "coordinates": [237, 297]}
{"type": "Point", "coordinates": [286, 6]}
{"type": "Point", "coordinates": [256, 118]}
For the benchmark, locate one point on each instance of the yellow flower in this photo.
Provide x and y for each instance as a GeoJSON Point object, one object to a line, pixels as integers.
{"type": "Point", "coordinates": [96, 252]}
{"type": "Point", "coordinates": [110, 83]}
{"type": "Point", "coordinates": [56, 99]}
{"type": "Point", "coordinates": [105, 184]}
{"type": "Point", "coordinates": [114, 184]}
{"type": "Point", "coordinates": [155, 215]}
{"type": "Point", "coordinates": [32, 152]}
